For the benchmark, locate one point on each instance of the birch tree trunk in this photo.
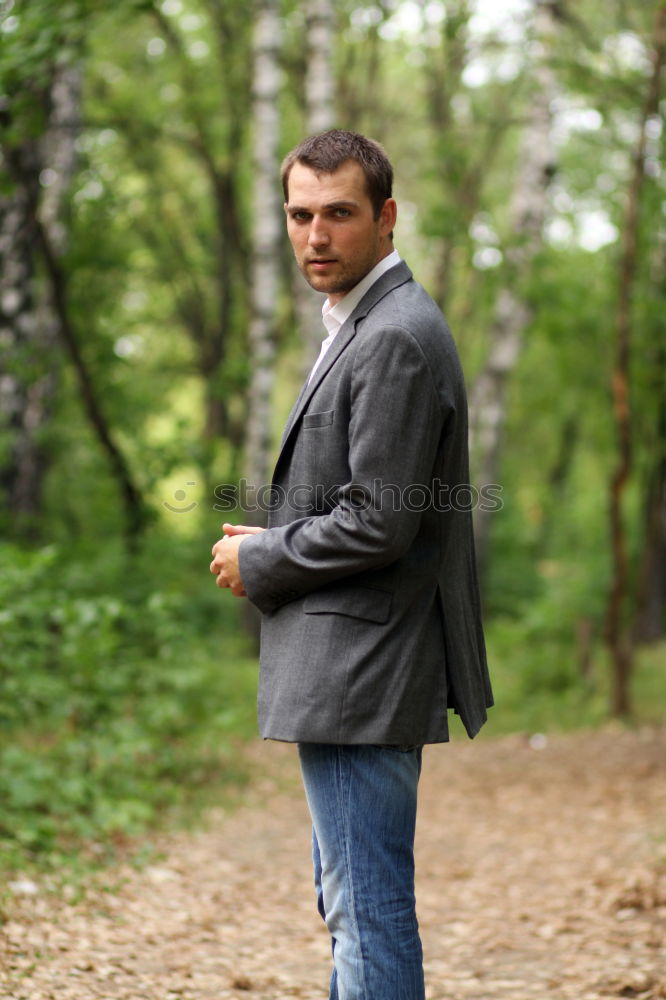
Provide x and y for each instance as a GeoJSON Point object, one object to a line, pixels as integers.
{"type": "Point", "coordinates": [24, 391]}
{"type": "Point", "coordinates": [618, 634]}
{"type": "Point", "coordinates": [512, 314]}
{"type": "Point", "coordinates": [319, 80]}
{"type": "Point", "coordinates": [266, 239]}
{"type": "Point", "coordinates": [41, 170]}
{"type": "Point", "coordinates": [319, 116]}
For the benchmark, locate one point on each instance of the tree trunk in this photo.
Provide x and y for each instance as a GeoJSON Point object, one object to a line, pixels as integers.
{"type": "Point", "coordinates": [41, 170]}
{"type": "Point", "coordinates": [650, 621]}
{"type": "Point", "coordinates": [267, 234]}
{"type": "Point", "coordinates": [25, 387]}
{"type": "Point", "coordinates": [445, 70]}
{"type": "Point", "coordinates": [512, 314]}
{"type": "Point", "coordinates": [618, 634]}
{"type": "Point", "coordinates": [319, 81]}
{"type": "Point", "coordinates": [319, 116]}
{"type": "Point", "coordinates": [651, 611]}
{"type": "Point", "coordinates": [135, 511]}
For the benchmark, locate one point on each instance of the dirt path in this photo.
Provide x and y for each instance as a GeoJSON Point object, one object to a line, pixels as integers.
{"type": "Point", "coordinates": [541, 874]}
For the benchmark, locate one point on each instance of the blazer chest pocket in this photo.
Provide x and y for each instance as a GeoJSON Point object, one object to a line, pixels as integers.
{"type": "Point", "coordinates": [356, 602]}
{"type": "Point", "coordinates": [322, 419]}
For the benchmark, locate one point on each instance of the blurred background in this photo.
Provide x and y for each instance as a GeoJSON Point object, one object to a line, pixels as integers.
{"type": "Point", "coordinates": [154, 334]}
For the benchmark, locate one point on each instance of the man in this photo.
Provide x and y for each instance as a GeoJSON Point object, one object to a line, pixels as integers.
{"type": "Point", "coordinates": [365, 576]}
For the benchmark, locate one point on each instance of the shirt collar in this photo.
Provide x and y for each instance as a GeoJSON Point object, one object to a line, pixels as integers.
{"type": "Point", "coordinates": [333, 316]}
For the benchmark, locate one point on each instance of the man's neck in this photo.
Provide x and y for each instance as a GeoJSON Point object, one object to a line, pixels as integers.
{"type": "Point", "coordinates": [347, 302]}
{"type": "Point", "coordinates": [334, 300]}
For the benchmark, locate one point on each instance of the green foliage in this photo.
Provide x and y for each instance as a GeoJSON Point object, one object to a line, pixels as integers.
{"type": "Point", "coordinates": [115, 704]}
{"type": "Point", "coordinates": [544, 681]}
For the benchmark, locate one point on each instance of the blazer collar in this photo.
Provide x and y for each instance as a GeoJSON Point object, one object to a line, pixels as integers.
{"type": "Point", "coordinates": [391, 279]}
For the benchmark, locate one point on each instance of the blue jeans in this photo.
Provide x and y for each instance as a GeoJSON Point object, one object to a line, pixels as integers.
{"type": "Point", "coordinates": [362, 800]}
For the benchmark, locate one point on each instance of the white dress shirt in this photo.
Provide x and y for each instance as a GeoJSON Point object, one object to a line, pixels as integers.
{"type": "Point", "coordinates": [333, 316]}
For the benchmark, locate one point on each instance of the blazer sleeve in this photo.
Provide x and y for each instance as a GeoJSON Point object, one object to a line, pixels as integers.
{"type": "Point", "coordinates": [397, 418]}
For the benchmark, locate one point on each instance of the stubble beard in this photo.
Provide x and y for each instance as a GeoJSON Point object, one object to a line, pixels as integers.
{"type": "Point", "coordinates": [330, 286]}
{"type": "Point", "coordinates": [349, 275]}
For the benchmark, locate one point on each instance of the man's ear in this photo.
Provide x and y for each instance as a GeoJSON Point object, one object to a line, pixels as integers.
{"type": "Point", "coordinates": [388, 216]}
{"type": "Point", "coordinates": [285, 207]}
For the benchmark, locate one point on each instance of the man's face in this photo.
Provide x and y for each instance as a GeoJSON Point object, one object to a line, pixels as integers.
{"type": "Point", "coordinates": [330, 223]}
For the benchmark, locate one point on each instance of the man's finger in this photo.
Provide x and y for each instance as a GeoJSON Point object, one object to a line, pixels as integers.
{"type": "Point", "coordinates": [241, 529]}
{"type": "Point", "coordinates": [218, 542]}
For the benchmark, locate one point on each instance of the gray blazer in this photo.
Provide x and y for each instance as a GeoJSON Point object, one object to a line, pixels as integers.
{"type": "Point", "coordinates": [371, 624]}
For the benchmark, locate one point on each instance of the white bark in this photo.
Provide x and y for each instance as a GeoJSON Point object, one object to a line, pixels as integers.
{"type": "Point", "coordinates": [512, 314]}
{"type": "Point", "coordinates": [320, 116]}
{"type": "Point", "coordinates": [319, 81]}
{"type": "Point", "coordinates": [41, 170]}
{"type": "Point", "coordinates": [267, 231]}
{"type": "Point", "coordinates": [59, 151]}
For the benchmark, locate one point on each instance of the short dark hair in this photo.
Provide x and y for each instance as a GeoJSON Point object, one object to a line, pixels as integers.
{"type": "Point", "coordinates": [326, 152]}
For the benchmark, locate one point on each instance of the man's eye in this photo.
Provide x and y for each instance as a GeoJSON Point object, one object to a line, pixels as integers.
{"type": "Point", "coordinates": [342, 213]}
{"type": "Point", "coordinates": [300, 216]}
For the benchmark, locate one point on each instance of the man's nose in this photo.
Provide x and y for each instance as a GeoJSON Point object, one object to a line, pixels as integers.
{"type": "Point", "coordinates": [318, 236]}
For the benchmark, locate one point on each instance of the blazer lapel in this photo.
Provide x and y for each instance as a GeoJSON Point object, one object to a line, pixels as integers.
{"type": "Point", "coordinates": [397, 275]}
{"type": "Point", "coordinates": [292, 416]}
{"type": "Point", "coordinates": [342, 338]}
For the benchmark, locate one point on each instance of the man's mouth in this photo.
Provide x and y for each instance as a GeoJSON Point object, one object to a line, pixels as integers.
{"type": "Point", "coordinates": [321, 262]}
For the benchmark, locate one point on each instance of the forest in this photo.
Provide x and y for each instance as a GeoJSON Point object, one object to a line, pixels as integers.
{"type": "Point", "coordinates": [154, 333]}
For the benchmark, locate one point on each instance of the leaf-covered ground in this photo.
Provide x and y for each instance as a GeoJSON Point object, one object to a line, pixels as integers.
{"type": "Point", "coordinates": [541, 876]}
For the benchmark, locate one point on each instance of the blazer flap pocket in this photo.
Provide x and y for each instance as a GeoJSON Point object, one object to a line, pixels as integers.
{"type": "Point", "coordinates": [357, 602]}
{"type": "Point", "coordinates": [322, 419]}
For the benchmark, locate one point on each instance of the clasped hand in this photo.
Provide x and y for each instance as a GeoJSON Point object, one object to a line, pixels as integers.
{"type": "Point", "coordinates": [225, 557]}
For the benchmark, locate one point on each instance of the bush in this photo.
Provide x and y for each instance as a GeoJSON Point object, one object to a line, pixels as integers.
{"type": "Point", "coordinates": [114, 705]}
